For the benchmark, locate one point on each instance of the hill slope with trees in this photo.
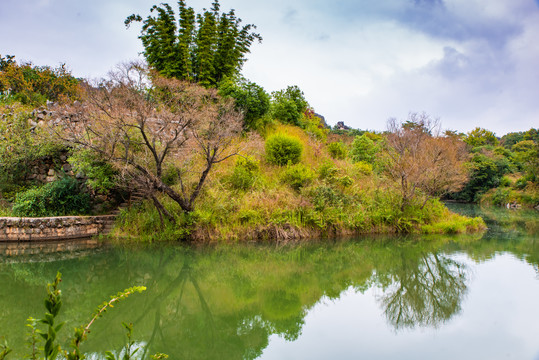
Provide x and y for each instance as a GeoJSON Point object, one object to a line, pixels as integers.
{"type": "Point", "coordinates": [217, 157]}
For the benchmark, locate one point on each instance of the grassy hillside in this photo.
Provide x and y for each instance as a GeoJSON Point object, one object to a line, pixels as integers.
{"type": "Point", "coordinates": [319, 196]}
{"type": "Point", "coordinates": [290, 177]}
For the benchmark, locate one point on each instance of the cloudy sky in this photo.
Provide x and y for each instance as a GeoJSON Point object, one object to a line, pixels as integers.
{"type": "Point", "coordinates": [469, 62]}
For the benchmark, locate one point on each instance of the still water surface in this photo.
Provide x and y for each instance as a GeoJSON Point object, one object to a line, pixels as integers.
{"type": "Point", "coordinates": [437, 297]}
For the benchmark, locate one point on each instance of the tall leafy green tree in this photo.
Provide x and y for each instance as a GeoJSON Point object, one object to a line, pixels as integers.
{"type": "Point", "coordinates": [481, 137]}
{"type": "Point", "coordinates": [203, 47]}
{"type": "Point", "coordinates": [289, 105]}
{"type": "Point", "coordinates": [250, 98]}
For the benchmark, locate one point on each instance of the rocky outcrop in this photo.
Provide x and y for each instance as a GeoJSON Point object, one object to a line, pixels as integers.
{"type": "Point", "coordinates": [341, 126]}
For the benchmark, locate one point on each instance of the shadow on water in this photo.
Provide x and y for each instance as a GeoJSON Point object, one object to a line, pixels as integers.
{"type": "Point", "coordinates": [226, 302]}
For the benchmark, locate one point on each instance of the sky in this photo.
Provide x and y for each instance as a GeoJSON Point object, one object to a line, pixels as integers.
{"type": "Point", "coordinates": [470, 63]}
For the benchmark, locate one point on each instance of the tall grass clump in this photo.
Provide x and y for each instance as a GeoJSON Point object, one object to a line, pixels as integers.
{"type": "Point", "coordinates": [142, 223]}
{"type": "Point", "coordinates": [245, 173]}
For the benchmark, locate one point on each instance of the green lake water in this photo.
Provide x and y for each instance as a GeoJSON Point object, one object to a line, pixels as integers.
{"type": "Point", "coordinates": [434, 297]}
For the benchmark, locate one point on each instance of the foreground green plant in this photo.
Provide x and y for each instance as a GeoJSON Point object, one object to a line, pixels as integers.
{"type": "Point", "coordinates": [81, 333]}
{"type": "Point", "coordinates": [128, 350]}
{"type": "Point", "coordinates": [4, 350]}
{"type": "Point", "coordinates": [51, 348]}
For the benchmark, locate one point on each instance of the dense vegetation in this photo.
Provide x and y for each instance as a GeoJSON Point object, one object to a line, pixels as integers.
{"type": "Point", "coordinates": [244, 177]}
{"type": "Point", "coordinates": [217, 157]}
{"type": "Point", "coordinates": [502, 170]}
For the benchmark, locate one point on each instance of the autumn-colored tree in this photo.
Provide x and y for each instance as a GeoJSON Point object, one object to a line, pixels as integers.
{"type": "Point", "coordinates": [418, 159]}
{"type": "Point", "coordinates": [6, 61]}
{"type": "Point", "coordinates": [35, 85]}
{"type": "Point", "coordinates": [148, 127]}
{"type": "Point", "coordinates": [204, 47]}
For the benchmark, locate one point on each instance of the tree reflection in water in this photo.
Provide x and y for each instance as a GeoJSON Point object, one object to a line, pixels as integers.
{"type": "Point", "coordinates": [422, 291]}
{"type": "Point", "coordinates": [227, 302]}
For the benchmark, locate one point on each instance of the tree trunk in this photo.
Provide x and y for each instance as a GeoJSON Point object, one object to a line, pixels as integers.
{"type": "Point", "coordinates": [162, 210]}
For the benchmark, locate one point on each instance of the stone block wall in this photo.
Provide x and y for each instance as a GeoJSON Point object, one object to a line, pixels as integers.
{"type": "Point", "coordinates": [52, 228]}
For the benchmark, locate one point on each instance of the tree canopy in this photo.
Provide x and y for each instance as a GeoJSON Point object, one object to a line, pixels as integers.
{"type": "Point", "coordinates": [146, 125]}
{"type": "Point", "coordinates": [202, 47]}
{"type": "Point", "coordinates": [249, 97]}
{"type": "Point", "coordinates": [417, 159]}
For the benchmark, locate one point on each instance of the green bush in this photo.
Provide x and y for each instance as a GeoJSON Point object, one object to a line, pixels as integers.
{"type": "Point", "coordinates": [323, 196]}
{"type": "Point", "coordinates": [362, 168]}
{"type": "Point", "coordinates": [249, 216]}
{"type": "Point", "coordinates": [337, 150]}
{"type": "Point", "coordinates": [101, 176]}
{"type": "Point", "coordinates": [297, 176]}
{"type": "Point", "coordinates": [59, 198]}
{"type": "Point", "coordinates": [486, 172]}
{"type": "Point", "coordinates": [363, 149]}
{"type": "Point", "coordinates": [282, 149]}
{"type": "Point", "coordinates": [345, 181]}
{"type": "Point", "coordinates": [170, 176]}
{"type": "Point", "coordinates": [505, 182]}
{"type": "Point", "coordinates": [333, 176]}
{"type": "Point", "coordinates": [244, 175]}
{"type": "Point", "coordinates": [521, 183]}
{"type": "Point", "coordinates": [500, 196]}
{"type": "Point", "coordinates": [328, 171]}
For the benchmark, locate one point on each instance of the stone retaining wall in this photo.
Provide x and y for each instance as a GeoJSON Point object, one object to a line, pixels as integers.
{"type": "Point", "coordinates": [52, 228]}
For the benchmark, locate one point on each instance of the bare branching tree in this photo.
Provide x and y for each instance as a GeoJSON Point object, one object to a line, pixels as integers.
{"type": "Point", "coordinates": [419, 159]}
{"type": "Point", "coordinates": [147, 125]}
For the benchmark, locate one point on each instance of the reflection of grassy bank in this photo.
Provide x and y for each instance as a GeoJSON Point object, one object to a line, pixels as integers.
{"type": "Point", "coordinates": [514, 231]}
{"type": "Point", "coordinates": [500, 219]}
{"type": "Point", "coordinates": [225, 302]}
